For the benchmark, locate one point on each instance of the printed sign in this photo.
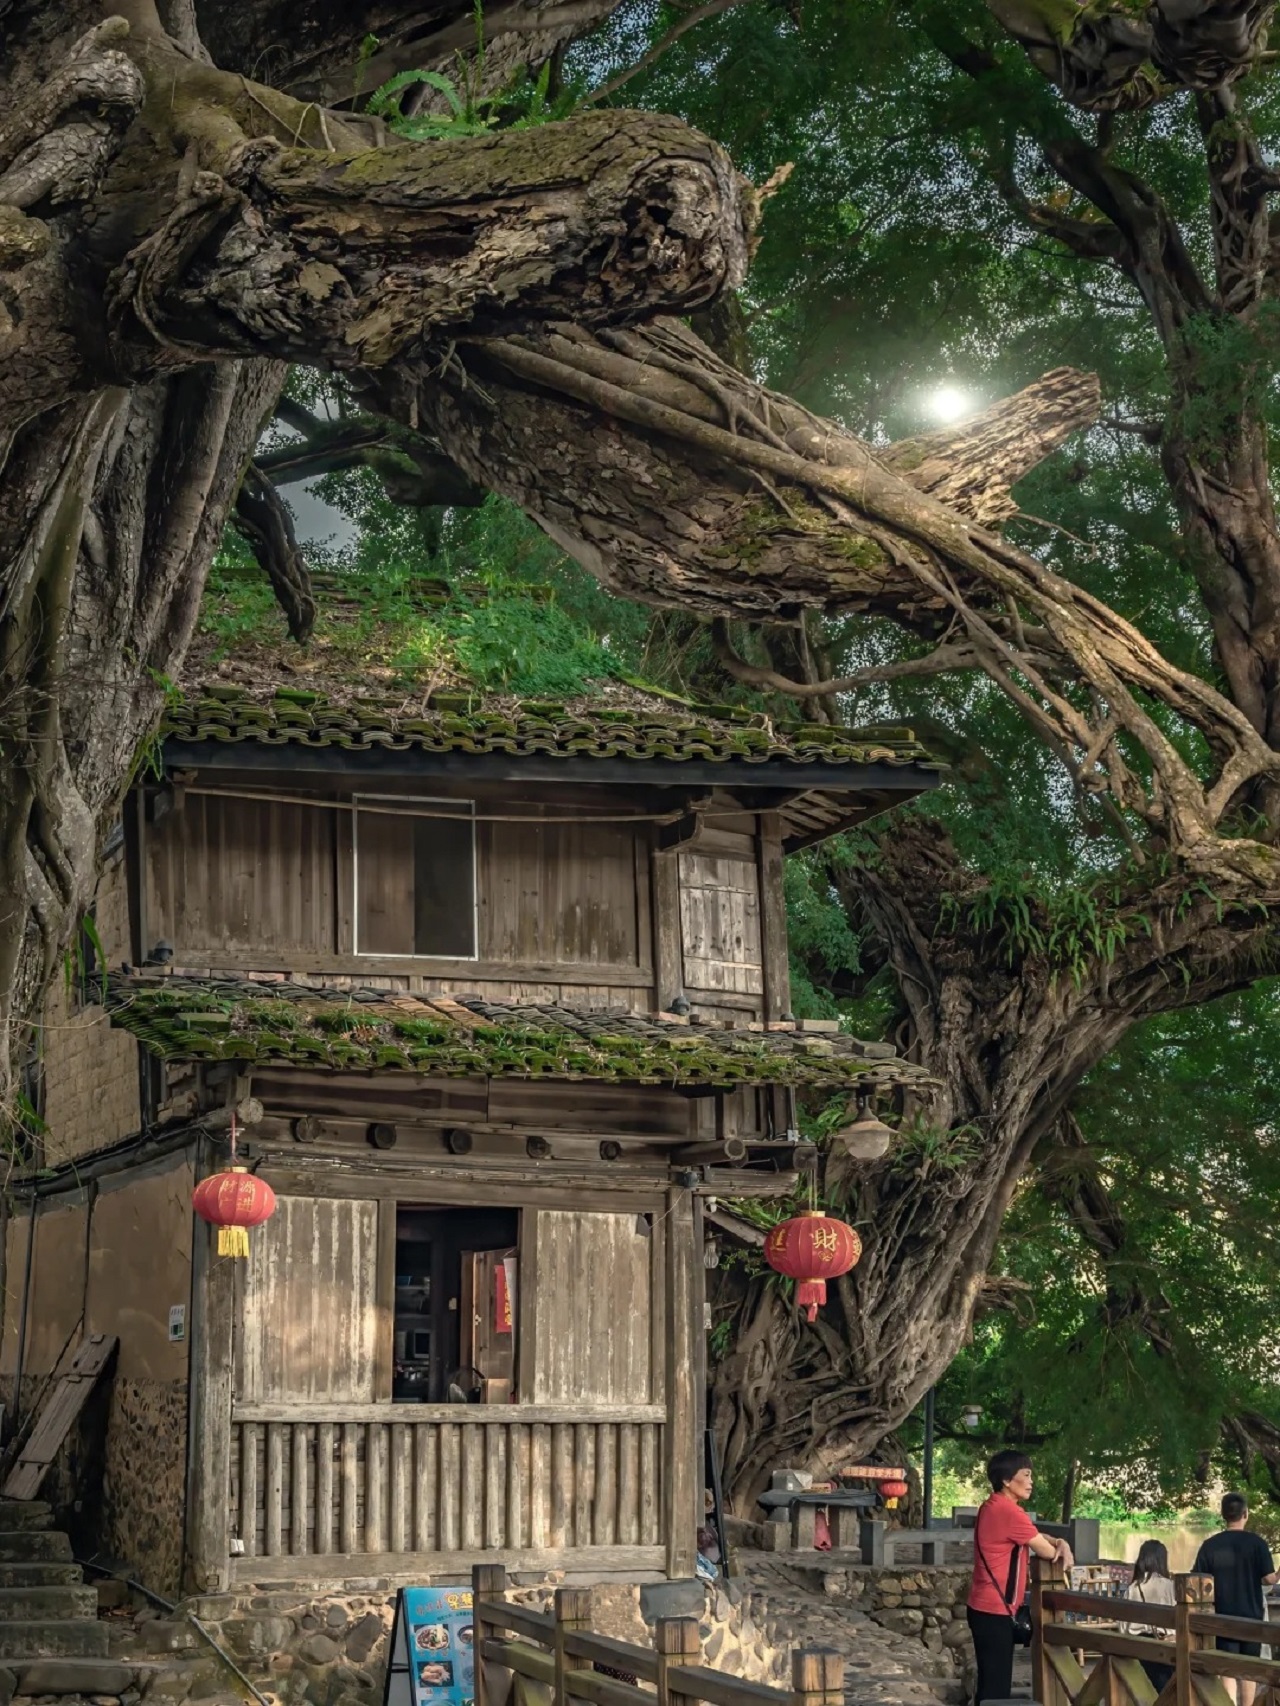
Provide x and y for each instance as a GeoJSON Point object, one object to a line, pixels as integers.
{"type": "Point", "coordinates": [431, 1662]}
{"type": "Point", "coordinates": [177, 1323]}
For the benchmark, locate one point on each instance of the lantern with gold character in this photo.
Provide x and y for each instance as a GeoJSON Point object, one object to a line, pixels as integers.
{"type": "Point", "coordinates": [812, 1248]}
{"type": "Point", "coordinates": [233, 1201]}
{"type": "Point", "coordinates": [892, 1491]}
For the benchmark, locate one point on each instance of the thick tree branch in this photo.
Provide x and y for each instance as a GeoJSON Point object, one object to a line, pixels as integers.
{"type": "Point", "coordinates": [942, 661]}
{"type": "Point", "coordinates": [266, 524]}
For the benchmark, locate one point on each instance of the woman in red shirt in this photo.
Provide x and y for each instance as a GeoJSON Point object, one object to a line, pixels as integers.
{"type": "Point", "coordinates": [1002, 1537]}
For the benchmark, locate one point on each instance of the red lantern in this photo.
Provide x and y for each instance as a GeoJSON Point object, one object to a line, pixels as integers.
{"type": "Point", "coordinates": [233, 1201]}
{"type": "Point", "coordinates": [811, 1249]}
{"type": "Point", "coordinates": [894, 1489]}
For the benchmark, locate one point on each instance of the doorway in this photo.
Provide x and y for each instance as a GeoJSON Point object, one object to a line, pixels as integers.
{"type": "Point", "coordinates": [455, 1305]}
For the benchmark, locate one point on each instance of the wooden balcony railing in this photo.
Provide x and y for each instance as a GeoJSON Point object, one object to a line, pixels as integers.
{"type": "Point", "coordinates": [1080, 1662]}
{"type": "Point", "coordinates": [558, 1651]}
{"type": "Point", "coordinates": [394, 1482]}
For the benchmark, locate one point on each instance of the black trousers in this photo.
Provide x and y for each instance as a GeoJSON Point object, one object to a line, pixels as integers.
{"type": "Point", "coordinates": [993, 1649]}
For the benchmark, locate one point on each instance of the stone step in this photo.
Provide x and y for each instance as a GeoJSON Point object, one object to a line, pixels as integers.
{"type": "Point", "coordinates": [72, 1676]}
{"type": "Point", "coordinates": [27, 1603]}
{"type": "Point", "coordinates": [40, 1574]}
{"type": "Point", "coordinates": [25, 1513]}
{"type": "Point", "coordinates": [75, 1638]}
{"type": "Point", "coordinates": [30, 1546]}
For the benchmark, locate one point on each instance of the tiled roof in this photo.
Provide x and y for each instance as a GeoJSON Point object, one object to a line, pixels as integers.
{"type": "Point", "coordinates": [183, 1018]}
{"type": "Point", "coordinates": [636, 726]}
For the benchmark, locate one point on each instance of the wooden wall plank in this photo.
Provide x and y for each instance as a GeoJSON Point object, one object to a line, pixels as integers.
{"type": "Point", "coordinates": [471, 1488]}
{"type": "Point", "coordinates": [584, 1482]}
{"type": "Point", "coordinates": [248, 1526]}
{"type": "Point", "coordinates": [604, 1519]}
{"type": "Point", "coordinates": [519, 1451]}
{"type": "Point", "coordinates": [561, 1485]}
{"type": "Point", "coordinates": [539, 1484]}
{"type": "Point", "coordinates": [425, 1495]}
{"type": "Point", "coordinates": [450, 1488]}
{"type": "Point", "coordinates": [593, 1291]}
{"type": "Point", "coordinates": [326, 1514]}
{"type": "Point", "coordinates": [376, 1454]}
{"type": "Point", "coordinates": [628, 1532]}
{"type": "Point", "coordinates": [349, 1524]}
{"type": "Point", "coordinates": [400, 1518]}
{"type": "Point", "coordinates": [495, 1447]}
{"type": "Point", "coordinates": [299, 1489]}
{"type": "Point", "coordinates": [650, 1484]}
{"type": "Point", "coordinates": [310, 1325]}
{"type": "Point", "coordinates": [273, 1491]}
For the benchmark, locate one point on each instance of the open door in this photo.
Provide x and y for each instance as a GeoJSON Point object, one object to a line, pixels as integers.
{"type": "Point", "coordinates": [488, 1321]}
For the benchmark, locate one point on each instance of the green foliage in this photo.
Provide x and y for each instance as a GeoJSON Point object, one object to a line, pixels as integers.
{"type": "Point", "coordinates": [524, 102]}
{"type": "Point", "coordinates": [1183, 1127]}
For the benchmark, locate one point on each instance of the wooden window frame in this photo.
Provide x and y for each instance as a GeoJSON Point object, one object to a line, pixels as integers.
{"type": "Point", "coordinates": [412, 800]}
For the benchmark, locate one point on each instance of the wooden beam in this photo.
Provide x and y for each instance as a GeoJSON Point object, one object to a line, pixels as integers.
{"type": "Point", "coordinates": [442, 1566]}
{"type": "Point", "coordinates": [385, 1293]}
{"type": "Point", "coordinates": [208, 1524]}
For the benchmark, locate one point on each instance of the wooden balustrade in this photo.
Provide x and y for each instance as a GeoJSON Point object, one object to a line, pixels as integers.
{"type": "Point", "coordinates": [401, 1481]}
{"type": "Point", "coordinates": [558, 1655]}
{"type": "Point", "coordinates": [1184, 1642]}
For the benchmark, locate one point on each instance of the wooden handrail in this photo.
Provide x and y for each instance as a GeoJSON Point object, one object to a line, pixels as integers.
{"type": "Point", "coordinates": [673, 1664]}
{"type": "Point", "coordinates": [1117, 1677]}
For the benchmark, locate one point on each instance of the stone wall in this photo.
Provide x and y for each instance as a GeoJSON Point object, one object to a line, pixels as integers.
{"type": "Point", "coordinates": [329, 1647]}
{"type": "Point", "coordinates": [144, 1481]}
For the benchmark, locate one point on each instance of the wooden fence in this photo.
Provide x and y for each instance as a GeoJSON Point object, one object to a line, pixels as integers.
{"type": "Point", "coordinates": [556, 1659]}
{"type": "Point", "coordinates": [1186, 1642]}
{"type": "Point", "coordinates": [394, 1480]}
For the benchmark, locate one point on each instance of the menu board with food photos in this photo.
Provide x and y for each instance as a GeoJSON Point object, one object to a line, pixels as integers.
{"type": "Point", "coordinates": [431, 1661]}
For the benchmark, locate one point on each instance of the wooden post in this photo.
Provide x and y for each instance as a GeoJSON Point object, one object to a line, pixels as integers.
{"type": "Point", "coordinates": [1046, 1575]}
{"type": "Point", "coordinates": [1191, 1594]}
{"type": "Point", "coordinates": [208, 1525]}
{"type": "Point", "coordinates": [668, 952]}
{"type": "Point", "coordinates": [775, 966]}
{"type": "Point", "coordinates": [488, 1581]}
{"type": "Point", "coordinates": [817, 1677]}
{"type": "Point", "coordinates": [677, 1645]}
{"type": "Point", "coordinates": [682, 1443]}
{"type": "Point", "coordinates": [572, 1611]}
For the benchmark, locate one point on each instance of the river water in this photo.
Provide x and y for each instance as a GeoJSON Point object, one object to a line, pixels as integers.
{"type": "Point", "coordinates": [1121, 1540]}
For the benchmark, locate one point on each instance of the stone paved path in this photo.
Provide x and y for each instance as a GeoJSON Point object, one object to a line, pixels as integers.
{"type": "Point", "coordinates": [801, 1605]}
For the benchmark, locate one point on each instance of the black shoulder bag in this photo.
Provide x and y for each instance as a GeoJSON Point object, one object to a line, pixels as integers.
{"type": "Point", "coordinates": [1021, 1617]}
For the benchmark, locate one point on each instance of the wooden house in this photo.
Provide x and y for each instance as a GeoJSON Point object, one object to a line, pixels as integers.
{"type": "Point", "coordinates": [496, 996]}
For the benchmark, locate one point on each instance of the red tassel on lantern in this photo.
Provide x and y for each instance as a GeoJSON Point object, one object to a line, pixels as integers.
{"type": "Point", "coordinates": [811, 1249]}
{"type": "Point", "coordinates": [232, 1201]}
{"type": "Point", "coordinates": [892, 1491]}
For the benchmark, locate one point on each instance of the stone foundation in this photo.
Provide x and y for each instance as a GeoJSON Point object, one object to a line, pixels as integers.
{"type": "Point", "coordinates": [328, 1647]}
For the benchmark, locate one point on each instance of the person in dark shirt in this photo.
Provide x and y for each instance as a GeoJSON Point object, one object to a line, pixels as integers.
{"type": "Point", "coordinates": [1241, 1565]}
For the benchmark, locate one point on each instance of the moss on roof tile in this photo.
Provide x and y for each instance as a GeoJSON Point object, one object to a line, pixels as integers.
{"type": "Point", "coordinates": [183, 1018]}
{"type": "Point", "coordinates": [453, 722]}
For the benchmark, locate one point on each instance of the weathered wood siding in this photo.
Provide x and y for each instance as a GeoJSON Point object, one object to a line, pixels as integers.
{"type": "Point", "coordinates": [558, 892]}
{"type": "Point", "coordinates": [310, 1325]}
{"type": "Point", "coordinates": [244, 876]}
{"type": "Point", "coordinates": [720, 924]}
{"type": "Point", "coordinates": [593, 1303]}
{"type": "Point", "coordinates": [236, 881]}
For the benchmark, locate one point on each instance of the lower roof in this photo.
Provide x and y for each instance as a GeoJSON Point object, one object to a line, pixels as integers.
{"type": "Point", "coordinates": [215, 1019]}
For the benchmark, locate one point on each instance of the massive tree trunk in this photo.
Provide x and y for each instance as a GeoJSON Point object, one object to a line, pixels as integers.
{"type": "Point", "coordinates": [1008, 1025]}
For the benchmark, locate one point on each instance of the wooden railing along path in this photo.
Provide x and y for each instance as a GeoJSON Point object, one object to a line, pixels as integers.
{"type": "Point", "coordinates": [1061, 1648]}
{"type": "Point", "coordinates": [555, 1655]}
